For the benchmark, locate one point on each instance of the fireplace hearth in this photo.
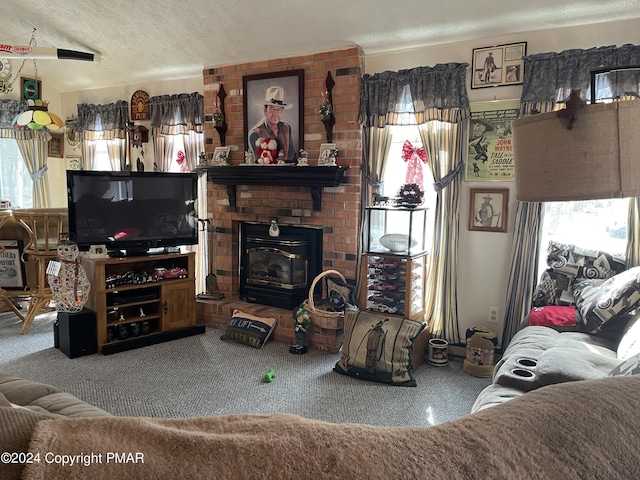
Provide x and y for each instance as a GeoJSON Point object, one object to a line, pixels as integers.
{"type": "Point", "coordinates": [278, 271]}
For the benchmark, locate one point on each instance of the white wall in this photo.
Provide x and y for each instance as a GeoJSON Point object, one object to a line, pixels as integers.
{"type": "Point", "coordinates": [484, 256]}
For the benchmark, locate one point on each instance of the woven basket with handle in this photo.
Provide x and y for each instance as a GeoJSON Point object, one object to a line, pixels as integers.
{"type": "Point", "coordinates": [324, 318]}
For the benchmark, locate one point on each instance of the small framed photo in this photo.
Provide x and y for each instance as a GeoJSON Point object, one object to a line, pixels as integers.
{"type": "Point", "coordinates": [498, 66]}
{"type": "Point", "coordinates": [12, 269]}
{"type": "Point", "coordinates": [98, 251]}
{"type": "Point", "coordinates": [31, 88]}
{"type": "Point", "coordinates": [221, 156]}
{"type": "Point", "coordinates": [488, 209]}
{"type": "Point", "coordinates": [56, 146]}
{"type": "Point", "coordinates": [327, 156]}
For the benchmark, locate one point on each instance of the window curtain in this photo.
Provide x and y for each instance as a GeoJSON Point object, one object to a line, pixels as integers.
{"type": "Point", "coordinates": [182, 114]}
{"type": "Point", "coordinates": [104, 122]}
{"type": "Point", "coordinates": [179, 114]}
{"type": "Point", "coordinates": [547, 82]}
{"type": "Point", "coordinates": [416, 97]}
{"type": "Point", "coordinates": [33, 146]}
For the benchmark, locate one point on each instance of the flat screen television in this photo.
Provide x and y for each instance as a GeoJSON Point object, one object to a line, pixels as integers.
{"type": "Point", "coordinates": [132, 213]}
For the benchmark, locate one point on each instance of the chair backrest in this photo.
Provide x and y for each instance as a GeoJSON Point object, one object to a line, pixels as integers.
{"type": "Point", "coordinates": [44, 226]}
{"type": "Point", "coordinates": [5, 215]}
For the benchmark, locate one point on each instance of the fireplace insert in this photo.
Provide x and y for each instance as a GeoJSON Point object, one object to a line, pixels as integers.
{"type": "Point", "coordinates": [278, 271]}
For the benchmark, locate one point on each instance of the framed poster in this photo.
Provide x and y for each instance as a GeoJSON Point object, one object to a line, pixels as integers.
{"type": "Point", "coordinates": [490, 151]}
{"type": "Point", "coordinates": [273, 109]}
{"type": "Point", "coordinates": [498, 65]}
{"type": "Point", "coordinates": [56, 146]}
{"type": "Point", "coordinates": [488, 209]}
{"type": "Point", "coordinates": [327, 155]}
{"type": "Point", "coordinates": [12, 271]}
{"type": "Point", "coordinates": [221, 156]}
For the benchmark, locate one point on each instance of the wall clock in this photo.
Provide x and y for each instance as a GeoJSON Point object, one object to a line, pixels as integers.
{"type": "Point", "coordinates": [5, 68]}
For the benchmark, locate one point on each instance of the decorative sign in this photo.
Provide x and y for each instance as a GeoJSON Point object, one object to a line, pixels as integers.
{"type": "Point", "coordinates": [12, 273]}
{"type": "Point", "coordinates": [490, 142]}
{"type": "Point", "coordinates": [140, 106]}
{"type": "Point", "coordinates": [31, 88]}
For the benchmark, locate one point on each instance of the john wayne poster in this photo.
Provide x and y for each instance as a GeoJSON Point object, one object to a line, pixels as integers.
{"type": "Point", "coordinates": [490, 142]}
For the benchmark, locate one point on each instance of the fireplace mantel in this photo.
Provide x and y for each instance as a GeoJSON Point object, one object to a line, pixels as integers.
{"type": "Point", "coordinates": [276, 175]}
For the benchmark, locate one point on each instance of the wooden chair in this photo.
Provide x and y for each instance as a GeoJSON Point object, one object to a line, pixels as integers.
{"type": "Point", "coordinates": [7, 297]}
{"type": "Point", "coordinates": [44, 226]}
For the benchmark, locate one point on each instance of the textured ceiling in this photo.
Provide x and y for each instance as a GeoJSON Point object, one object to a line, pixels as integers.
{"type": "Point", "coordinates": [146, 41]}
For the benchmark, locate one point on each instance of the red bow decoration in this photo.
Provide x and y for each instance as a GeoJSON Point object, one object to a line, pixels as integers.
{"type": "Point", "coordinates": [408, 151]}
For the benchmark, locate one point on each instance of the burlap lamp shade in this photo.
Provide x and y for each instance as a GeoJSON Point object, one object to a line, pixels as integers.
{"type": "Point", "coordinates": [598, 158]}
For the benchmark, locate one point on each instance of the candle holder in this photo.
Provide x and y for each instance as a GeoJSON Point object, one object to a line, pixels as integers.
{"type": "Point", "coordinates": [326, 109]}
{"type": "Point", "coordinates": [219, 121]}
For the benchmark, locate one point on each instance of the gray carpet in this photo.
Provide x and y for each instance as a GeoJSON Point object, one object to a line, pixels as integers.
{"type": "Point", "coordinates": [204, 376]}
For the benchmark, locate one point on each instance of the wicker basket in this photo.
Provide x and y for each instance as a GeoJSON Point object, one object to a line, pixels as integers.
{"type": "Point", "coordinates": [323, 318]}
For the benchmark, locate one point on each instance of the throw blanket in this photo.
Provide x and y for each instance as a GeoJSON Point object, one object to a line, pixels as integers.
{"type": "Point", "coordinates": [576, 430]}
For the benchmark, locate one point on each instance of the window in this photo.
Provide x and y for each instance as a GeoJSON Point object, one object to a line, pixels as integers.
{"type": "Point", "coordinates": [395, 173]}
{"type": "Point", "coordinates": [593, 224]}
{"type": "Point", "coordinates": [15, 182]}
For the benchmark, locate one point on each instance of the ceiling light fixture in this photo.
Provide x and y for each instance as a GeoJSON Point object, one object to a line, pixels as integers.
{"type": "Point", "coordinates": [37, 115]}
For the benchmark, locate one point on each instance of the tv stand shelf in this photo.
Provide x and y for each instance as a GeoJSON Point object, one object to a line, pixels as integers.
{"type": "Point", "coordinates": [135, 306]}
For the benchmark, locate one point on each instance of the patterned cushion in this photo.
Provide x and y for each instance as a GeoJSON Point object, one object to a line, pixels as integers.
{"type": "Point", "coordinates": [630, 366]}
{"type": "Point", "coordinates": [340, 293]}
{"type": "Point", "coordinates": [249, 329]}
{"type": "Point", "coordinates": [378, 347]}
{"type": "Point", "coordinates": [566, 264]}
{"type": "Point", "coordinates": [614, 298]}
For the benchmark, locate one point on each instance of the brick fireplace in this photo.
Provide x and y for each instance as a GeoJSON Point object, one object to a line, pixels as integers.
{"type": "Point", "coordinates": [293, 204]}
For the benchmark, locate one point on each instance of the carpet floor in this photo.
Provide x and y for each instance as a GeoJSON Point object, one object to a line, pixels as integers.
{"type": "Point", "coordinates": [205, 376]}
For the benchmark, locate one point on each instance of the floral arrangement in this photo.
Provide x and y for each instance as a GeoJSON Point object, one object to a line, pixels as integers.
{"type": "Point", "coordinates": [325, 108]}
{"type": "Point", "coordinates": [218, 118]}
{"type": "Point", "coordinates": [266, 148]}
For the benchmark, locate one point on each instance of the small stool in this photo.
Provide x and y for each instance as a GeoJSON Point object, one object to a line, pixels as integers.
{"type": "Point", "coordinates": [481, 343]}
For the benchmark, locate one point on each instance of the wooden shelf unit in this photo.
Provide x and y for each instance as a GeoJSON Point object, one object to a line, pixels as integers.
{"type": "Point", "coordinates": [131, 315]}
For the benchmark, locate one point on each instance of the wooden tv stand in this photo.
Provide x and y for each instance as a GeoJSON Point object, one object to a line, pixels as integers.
{"type": "Point", "coordinates": [138, 301]}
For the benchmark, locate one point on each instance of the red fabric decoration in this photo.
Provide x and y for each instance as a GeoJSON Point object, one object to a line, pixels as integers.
{"type": "Point", "coordinates": [553, 315]}
{"type": "Point", "coordinates": [413, 156]}
{"type": "Point", "coordinates": [267, 150]}
{"type": "Point", "coordinates": [181, 161]}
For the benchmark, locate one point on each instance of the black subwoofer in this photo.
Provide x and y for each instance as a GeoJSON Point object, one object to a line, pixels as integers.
{"type": "Point", "coordinates": [77, 333]}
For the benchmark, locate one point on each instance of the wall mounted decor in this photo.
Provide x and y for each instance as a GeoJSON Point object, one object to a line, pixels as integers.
{"type": "Point", "coordinates": [31, 88]}
{"type": "Point", "coordinates": [74, 162]}
{"type": "Point", "coordinates": [140, 106]}
{"type": "Point", "coordinates": [273, 107]}
{"type": "Point", "coordinates": [490, 151]}
{"type": "Point", "coordinates": [498, 65]}
{"type": "Point", "coordinates": [219, 121]}
{"type": "Point", "coordinates": [326, 108]}
{"type": "Point", "coordinates": [56, 146]}
{"type": "Point", "coordinates": [488, 209]}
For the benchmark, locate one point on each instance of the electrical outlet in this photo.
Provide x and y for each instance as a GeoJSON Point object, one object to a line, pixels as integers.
{"type": "Point", "coordinates": [493, 315]}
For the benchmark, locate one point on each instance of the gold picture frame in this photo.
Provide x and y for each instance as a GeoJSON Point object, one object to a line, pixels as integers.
{"type": "Point", "coordinates": [488, 209]}
{"type": "Point", "coordinates": [56, 146]}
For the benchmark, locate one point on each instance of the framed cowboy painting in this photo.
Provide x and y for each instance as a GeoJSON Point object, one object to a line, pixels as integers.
{"type": "Point", "coordinates": [274, 115]}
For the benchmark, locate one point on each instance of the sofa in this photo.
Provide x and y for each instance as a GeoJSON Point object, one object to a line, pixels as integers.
{"type": "Point", "coordinates": [539, 356]}
{"type": "Point", "coordinates": [534, 436]}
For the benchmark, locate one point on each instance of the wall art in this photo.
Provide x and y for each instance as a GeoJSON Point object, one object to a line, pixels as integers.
{"type": "Point", "coordinates": [490, 149]}
{"type": "Point", "coordinates": [273, 107]}
{"type": "Point", "coordinates": [488, 209]}
{"type": "Point", "coordinates": [498, 65]}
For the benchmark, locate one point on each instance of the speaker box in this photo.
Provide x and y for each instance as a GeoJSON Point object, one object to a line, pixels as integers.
{"type": "Point", "coordinates": [77, 333]}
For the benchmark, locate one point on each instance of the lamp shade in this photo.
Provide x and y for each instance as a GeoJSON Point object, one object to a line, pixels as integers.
{"type": "Point", "coordinates": [598, 158]}
{"type": "Point", "coordinates": [37, 116]}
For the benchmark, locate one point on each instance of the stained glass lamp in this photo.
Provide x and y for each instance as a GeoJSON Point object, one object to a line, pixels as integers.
{"type": "Point", "coordinates": [37, 116]}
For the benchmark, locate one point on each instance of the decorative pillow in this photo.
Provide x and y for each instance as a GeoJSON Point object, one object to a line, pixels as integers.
{"type": "Point", "coordinates": [630, 366]}
{"type": "Point", "coordinates": [553, 315]}
{"type": "Point", "coordinates": [249, 329]}
{"type": "Point", "coordinates": [378, 347]}
{"type": "Point", "coordinates": [568, 262]}
{"type": "Point", "coordinates": [617, 296]}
